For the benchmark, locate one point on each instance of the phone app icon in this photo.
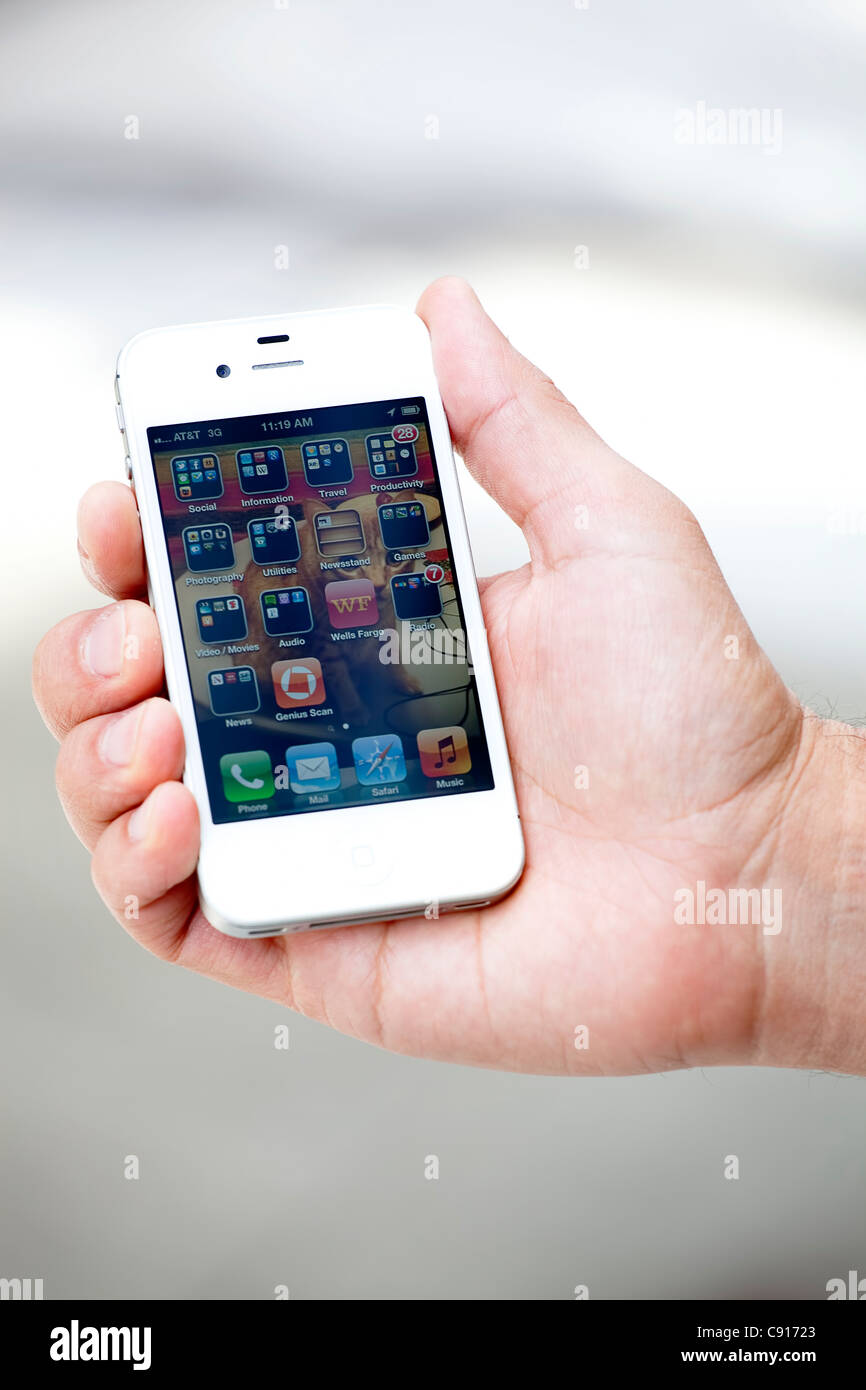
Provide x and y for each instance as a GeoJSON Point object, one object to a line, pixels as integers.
{"type": "Point", "coordinates": [327, 462]}
{"type": "Point", "coordinates": [208, 547]}
{"type": "Point", "coordinates": [221, 619]}
{"type": "Point", "coordinates": [339, 533]}
{"type": "Point", "coordinates": [286, 611]}
{"type": "Point", "coordinates": [313, 767]}
{"type": "Point", "coordinates": [274, 540]}
{"type": "Point", "coordinates": [404, 526]}
{"type": "Point", "coordinates": [415, 596]}
{"type": "Point", "coordinates": [298, 683]}
{"type": "Point", "coordinates": [351, 603]}
{"type": "Point", "coordinates": [379, 759]}
{"type": "Point", "coordinates": [388, 457]}
{"type": "Point", "coordinates": [196, 476]}
{"type": "Point", "coordinates": [233, 690]}
{"type": "Point", "coordinates": [261, 470]}
{"type": "Point", "coordinates": [444, 752]}
{"type": "Point", "coordinates": [247, 776]}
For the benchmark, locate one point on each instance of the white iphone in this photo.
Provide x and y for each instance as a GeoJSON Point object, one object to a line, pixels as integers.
{"type": "Point", "coordinates": [324, 645]}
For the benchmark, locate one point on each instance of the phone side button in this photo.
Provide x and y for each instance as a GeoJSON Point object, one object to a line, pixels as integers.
{"type": "Point", "coordinates": [127, 463]}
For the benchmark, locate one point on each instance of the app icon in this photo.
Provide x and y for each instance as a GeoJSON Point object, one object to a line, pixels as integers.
{"type": "Point", "coordinates": [415, 597]}
{"type": "Point", "coordinates": [339, 533]}
{"type": "Point", "coordinates": [247, 776]}
{"type": "Point", "coordinates": [298, 683]}
{"type": "Point", "coordinates": [327, 463]}
{"type": "Point", "coordinates": [444, 752]}
{"type": "Point", "coordinates": [286, 611]}
{"type": "Point", "coordinates": [379, 759]}
{"type": "Point", "coordinates": [274, 540]}
{"type": "Point", "coordinates": [313, 767]}
{"type": "Point", "coordinates": [351, 603]}
{"type": "Point", "coordinates": [404, 526]}
{"type": "Point", "coordinates": [388, 457]}
{"type": "Point", "coordinates": [221, 619]}
{"type": "Point", "coordinates": [261, 470]}
{"type": "Point", "coordinates": [233, 690]}
{"type": "Point", "coordinates": [208, 547]}
{"type": "Point", "coordinates": [196, 476]}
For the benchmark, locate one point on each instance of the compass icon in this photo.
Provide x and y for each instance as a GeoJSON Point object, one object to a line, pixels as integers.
{"type": "Point", "coordinates": [379, 759]}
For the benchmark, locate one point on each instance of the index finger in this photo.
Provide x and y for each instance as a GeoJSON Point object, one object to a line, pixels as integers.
{"type": "Point", "coordinates": [109, 541]}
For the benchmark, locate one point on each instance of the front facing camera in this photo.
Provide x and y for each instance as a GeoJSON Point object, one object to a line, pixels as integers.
{"type": "Point", "coordinates": [223, 370]}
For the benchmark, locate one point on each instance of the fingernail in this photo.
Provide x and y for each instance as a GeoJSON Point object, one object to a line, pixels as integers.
{"type": "Point", "coordinates": [136, 827]}
{"type": "Point", "coordinates": [117, 744]}
{"type": "Point", "coordinates": [86, 563]}
{"type": "Point", "coordinates": [102, 648]}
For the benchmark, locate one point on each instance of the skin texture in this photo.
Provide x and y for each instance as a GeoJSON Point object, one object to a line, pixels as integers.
{"type": "Point", "coordinates": [613, 653]}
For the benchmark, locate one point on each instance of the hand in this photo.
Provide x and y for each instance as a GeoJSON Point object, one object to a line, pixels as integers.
{"type": "Point", "coordinates": [653, 744]}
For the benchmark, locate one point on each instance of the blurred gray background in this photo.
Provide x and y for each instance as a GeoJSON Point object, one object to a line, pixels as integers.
{"type": "Point", "coordinates": [706, 308]}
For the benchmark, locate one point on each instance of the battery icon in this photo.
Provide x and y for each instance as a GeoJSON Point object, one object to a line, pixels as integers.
{"type": "Point", "coordinates": [410, 410]}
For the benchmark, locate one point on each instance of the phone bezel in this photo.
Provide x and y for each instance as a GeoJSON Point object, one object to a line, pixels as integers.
{"type": "Point", "coordinates": [291, 872]}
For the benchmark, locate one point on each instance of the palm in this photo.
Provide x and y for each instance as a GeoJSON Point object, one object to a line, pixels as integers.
{"type": "Point", "coordinates": [633, 736]}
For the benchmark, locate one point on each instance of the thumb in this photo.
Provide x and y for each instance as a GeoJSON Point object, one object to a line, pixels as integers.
{"type": "Point", "coordinates": [523, 441]}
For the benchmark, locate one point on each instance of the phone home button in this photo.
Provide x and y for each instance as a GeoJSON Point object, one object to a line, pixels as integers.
{"type": "Point", "coordinates": [363, 863]}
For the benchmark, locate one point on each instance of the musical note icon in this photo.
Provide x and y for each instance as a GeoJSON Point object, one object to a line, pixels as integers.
{"type": "Point", "coordinates": [446, 745]}
{"type": "Point", "coordinates": [444, 752]}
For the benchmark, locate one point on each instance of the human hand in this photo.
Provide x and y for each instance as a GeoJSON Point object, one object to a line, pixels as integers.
{"type": "Point", "coordinates": [653, 744]}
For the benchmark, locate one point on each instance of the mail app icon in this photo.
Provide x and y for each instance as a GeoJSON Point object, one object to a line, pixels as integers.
{"type": "Point", "coordinates": [313, 767]}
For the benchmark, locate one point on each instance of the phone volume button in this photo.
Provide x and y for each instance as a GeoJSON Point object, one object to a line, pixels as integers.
{"type": "Point", "coordinates": [121, 423]}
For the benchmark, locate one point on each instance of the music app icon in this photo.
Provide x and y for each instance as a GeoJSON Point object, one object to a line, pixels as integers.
{"type": "Point", "coordinates": [444, 752]}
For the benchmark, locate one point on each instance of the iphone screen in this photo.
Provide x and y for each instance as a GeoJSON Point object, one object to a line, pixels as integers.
{"type": "Point", "coordinates": [321, 617]}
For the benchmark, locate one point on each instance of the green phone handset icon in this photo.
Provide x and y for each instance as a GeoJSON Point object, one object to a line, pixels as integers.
{"type": "Point", "coordinates": [247, 776]}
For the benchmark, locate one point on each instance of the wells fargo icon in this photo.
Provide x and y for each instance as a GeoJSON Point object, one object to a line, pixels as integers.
{"type": "Point", "coordinates": [351, 603]}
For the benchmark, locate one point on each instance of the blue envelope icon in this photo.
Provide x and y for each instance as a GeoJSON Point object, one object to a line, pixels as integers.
{"type": "Point", "coordinates": [313, 767]}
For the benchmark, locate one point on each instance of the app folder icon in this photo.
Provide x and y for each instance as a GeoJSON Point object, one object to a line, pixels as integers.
{"type": "Point", "coordinates": [274, 540]}
{"type": "Point", "coordinates": [403, 525]}
{"type": "Point", "coordinates": [415, 596]}
{"type": "Point", "coordinates": [326, 462]}
{"type": "Point", "coordinates": [286, 611]}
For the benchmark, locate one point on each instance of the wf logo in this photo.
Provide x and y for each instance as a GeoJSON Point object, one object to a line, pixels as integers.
{"type": "Point", "coordinates": [351, 602]}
